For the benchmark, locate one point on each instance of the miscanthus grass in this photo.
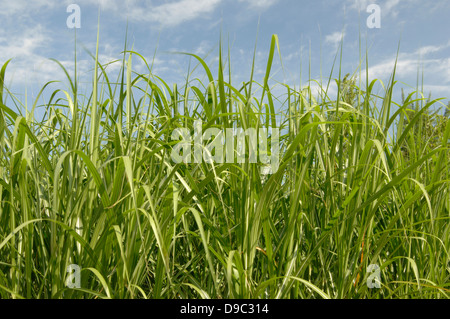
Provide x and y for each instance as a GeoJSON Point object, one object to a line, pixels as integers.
{"type": "Point", "coordinates": [362, 181]}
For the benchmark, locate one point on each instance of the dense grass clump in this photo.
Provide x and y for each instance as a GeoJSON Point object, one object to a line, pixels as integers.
{"type": "Point", "coordinates": [362, 180]}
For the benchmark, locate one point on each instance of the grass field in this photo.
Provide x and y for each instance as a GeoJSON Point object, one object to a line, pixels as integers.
{"type": "Point", "coordinates": [362, 181]}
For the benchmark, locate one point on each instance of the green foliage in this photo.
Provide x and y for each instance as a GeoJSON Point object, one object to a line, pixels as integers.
{"type": "Point", "coordinates": [93, 184]}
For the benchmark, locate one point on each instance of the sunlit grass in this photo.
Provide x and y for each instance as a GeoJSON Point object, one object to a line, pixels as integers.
{"type": "Point", "coordinates": [92, 183]}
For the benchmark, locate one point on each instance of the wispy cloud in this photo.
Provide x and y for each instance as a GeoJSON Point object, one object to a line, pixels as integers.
{"type": "Point", "coordinates": [431, 49]}
{"type": "Point", "coordinates": [174, 13]}
{"type": "Point", "coordinates": [358, 4]}
{"type": "Point", "coordinates": [29, 50]}
{"type": "Point", "coordinates": [261, 4]}
{"type": "Point", "coordinates": [23, 44]}
{"type": "Point", "coordinates": [203, 47]}
{"type": "Point", "coordinates": [23, 48]}
{"type": "Point", "coordinates": [390, 4]}
{"type": "Point", "coordinates": [388, 7]}
{"type": "Point", "coordinates": [335, 38]}
{"type": "Point", "coordinates": [404, 67]}
{"type": "Point", "coordinates": [435, 70]}
{"type": "Point", "coordinates": [322, 89]}
{"type": "Point", "coordinates": [165, 13]}
{"type": "Point", "coordinates": [9, 8]}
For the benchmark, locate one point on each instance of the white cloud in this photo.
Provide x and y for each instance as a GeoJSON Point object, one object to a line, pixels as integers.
{"type": "Point", "coordinates": [174, 13]}
{"type": "Point", "coordinates": [359, 5]}
{"type": "Point", "coordinates": [203, 48]}
{"type": "Point", "coordinates": [428, 49]}
{"type": "Point", "coordinates": [9, 8]}
{"type": "Point", "coordinates": [440, 90]}
{"type": "Point", "coordinates": [388, 7]}
{"type": "Point", "coordinates": [382, 70]}
{"type": "Point", "coordinates": [168, 14]}
{"type": "Point", "coordinates": [261, 4]}
{"type": "Point", "coordinates": [321, 90]}
{"type": "Point", "coordinates": [31, 44]}
{"type": "Point", "coordinates": [436, 72]}
{"type": "Point", "coordinates": [391, 4]}
{"type": "Point", "coordinates": [29, 51]}
{"type": "Point", "coordinates": [335, 38]}
{"type": "Point", "coordinates": [22, 45]}
{"type": "Point", "coordinates": [431, 49]}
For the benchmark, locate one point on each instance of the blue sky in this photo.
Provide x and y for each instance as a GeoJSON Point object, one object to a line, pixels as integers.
{"type": "Point", "coordinates": [309, 32]}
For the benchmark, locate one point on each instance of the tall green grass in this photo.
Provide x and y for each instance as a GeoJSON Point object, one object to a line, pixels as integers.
{"type": "Point", "coordinates": [362, 180]}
